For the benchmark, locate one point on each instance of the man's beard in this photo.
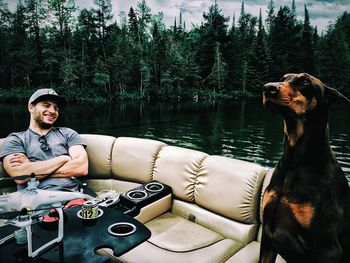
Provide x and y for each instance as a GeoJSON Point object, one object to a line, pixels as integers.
{"type": "Point", "coordinates": [44, 126]}
{"type": "Point", "coordinates": [40, 121]}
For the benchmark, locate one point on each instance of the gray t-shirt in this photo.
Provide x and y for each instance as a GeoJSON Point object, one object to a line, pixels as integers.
{"type": "Point", "coordinates": [58, 139]}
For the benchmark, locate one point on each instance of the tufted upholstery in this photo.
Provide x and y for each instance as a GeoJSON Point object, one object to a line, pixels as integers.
{"type": "Point", "coordinates": [220, 195]}
{"type": "Point", "coordinates": [213, 214]}
{"type": "Point", "coordinates": [134, 159]}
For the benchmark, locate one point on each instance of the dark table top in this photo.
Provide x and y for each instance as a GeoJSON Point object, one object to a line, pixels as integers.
{"type": "Point", "coordinates": [81, 239]}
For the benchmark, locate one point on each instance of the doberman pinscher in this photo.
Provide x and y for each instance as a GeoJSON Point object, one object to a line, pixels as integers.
{"type": "Point", "coordinates": [306, 206]}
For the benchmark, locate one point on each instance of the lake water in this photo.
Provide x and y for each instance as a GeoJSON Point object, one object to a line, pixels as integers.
{"type": "Point", "coordinates": [243, 130]}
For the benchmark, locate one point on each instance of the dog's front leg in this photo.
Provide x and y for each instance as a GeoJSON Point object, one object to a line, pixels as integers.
{"type": "Point", "coordinates": [267, 256]}
{"type": "Point", "coordinates": [267, 253]}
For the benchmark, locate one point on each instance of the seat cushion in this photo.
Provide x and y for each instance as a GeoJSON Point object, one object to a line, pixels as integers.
{"type": "Point", "coordinates": [240, 232]}
{"type": "Point", "coordinates": [148, 253]}
{"type": "Point", "coordinates": [250, 254]}
{"type": "Point", "coordinates": [177, 234]}
{"type": "Point", "coordinates": [175, 239]}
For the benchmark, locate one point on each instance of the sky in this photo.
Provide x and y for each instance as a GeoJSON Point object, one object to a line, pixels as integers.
{"type": "Point", "coordinates": [320, 11]}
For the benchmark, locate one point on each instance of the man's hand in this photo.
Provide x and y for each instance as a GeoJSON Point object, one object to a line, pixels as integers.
{"type": "Point", "coordinates": [77, 166]}
{"type": "Point", "coordinates": [17, 159]}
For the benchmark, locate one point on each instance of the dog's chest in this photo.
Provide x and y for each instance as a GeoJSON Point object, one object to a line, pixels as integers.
{"type": "Point", "coordinates": [279, 209]}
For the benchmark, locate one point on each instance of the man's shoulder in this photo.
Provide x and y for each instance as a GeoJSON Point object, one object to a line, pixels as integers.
{"type": "Point", "coordinates": [63, 130]}
{"type": "Point", "coordinates": [70, 135]}
{"type": "Point", "coordinates": [16, 135]}
{"type": "Point", "coordinates": [13, 143]}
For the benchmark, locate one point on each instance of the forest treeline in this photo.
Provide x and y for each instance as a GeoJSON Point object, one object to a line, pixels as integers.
{"type": "Point", "coordinates": [88, 56]}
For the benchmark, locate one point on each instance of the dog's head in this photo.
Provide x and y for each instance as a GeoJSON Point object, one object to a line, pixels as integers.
{"type": "Point", "coordinates": [298, 94]}
{"type": "Point", "coordinates": [303, 102]}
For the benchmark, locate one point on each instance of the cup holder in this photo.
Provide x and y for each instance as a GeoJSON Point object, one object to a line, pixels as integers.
{"type": "Point", "coordinates": [136, 194]}
{"type": "Point", "coordinates": [121, 229]}
{"type": "Point", "coordinates": [154, 187]}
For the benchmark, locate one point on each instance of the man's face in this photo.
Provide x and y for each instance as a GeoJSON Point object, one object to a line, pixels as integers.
{"type": "Point", "coordinates": [44, 113]}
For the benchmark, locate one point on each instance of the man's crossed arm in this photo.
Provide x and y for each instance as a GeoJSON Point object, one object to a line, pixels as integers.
{"type": "Point", "coordinates": [74, 164]}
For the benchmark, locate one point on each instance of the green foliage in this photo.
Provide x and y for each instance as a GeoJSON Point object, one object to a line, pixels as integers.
{"type": "Point", "coordinates": [284, 39]}
{"type": "Point", "coordinates": [260, 61]}
{"type": "Point", "coordinates": [88, 56]}
{"type": "Point", "coordinates": [335, 61]}
{"type": "Point", "coordinates": [101, 79]}
{"type": "Point", "coordinates": [307, 46]}
{"type": "Point", "coordinates": [212, 32]}
{"type": "Point", "coordinates": [218, 73]}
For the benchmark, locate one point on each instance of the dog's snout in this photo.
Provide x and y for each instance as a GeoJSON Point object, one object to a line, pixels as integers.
{"type": "Point", "coordinates": [271, 89]}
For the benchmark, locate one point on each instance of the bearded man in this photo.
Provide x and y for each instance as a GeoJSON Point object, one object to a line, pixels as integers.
{"type": "Point", "coordinates": [44, 149]}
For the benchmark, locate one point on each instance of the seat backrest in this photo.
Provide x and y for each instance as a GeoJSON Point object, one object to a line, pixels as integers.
{"type": "Point", "coordinates": [230, 187]}
{"type": "Point", "coordinates": [134, 159]}
{"type": "Point", "coordinates": [226, 186]}
{"type": "Point", "coordinates": [99, 150]}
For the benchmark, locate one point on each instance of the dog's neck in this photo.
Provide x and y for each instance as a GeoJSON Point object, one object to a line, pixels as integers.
{"type": "Point", "coordinates": [306, 140]}
{"type": "Point", "coordinates": [293, 130]}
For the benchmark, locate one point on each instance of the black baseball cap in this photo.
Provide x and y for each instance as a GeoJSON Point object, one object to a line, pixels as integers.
{"type": "Point", "coordinates": [44, 94]}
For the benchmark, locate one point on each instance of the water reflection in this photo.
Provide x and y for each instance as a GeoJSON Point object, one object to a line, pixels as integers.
{"type": "Point", "coordinates": [242, 130]}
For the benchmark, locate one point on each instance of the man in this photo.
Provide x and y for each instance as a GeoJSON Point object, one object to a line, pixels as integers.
{"type": "Point", "coordinates": [45, 149]}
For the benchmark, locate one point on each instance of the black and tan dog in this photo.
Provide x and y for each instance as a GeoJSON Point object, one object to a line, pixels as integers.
{"type": "Point", "coordinates": [306, 216]}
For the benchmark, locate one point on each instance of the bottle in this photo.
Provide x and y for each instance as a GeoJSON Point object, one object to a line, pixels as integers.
{"type": "Point", "coordinates": [21, 236]}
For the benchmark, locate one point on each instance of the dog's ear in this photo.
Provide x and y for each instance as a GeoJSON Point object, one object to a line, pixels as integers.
{"type": "Point", "coordinates": [334, 96]}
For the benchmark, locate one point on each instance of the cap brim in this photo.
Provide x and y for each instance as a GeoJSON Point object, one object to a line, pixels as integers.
{"type": "Point", "coordinates": [59, 100]}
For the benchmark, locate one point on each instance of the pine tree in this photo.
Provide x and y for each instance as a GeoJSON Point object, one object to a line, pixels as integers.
{"type": "Point", "coordinates": [180, 20]}
{"type": "Point", "coordinates": [120, 61]}
{"type": "Point", "coordinates": [218, 73]}
{"type": "Point", "coordinates": [157, 52]}
{"type": "Point", "coordinates": [144, 18]}
{"type": "Point", "coordinates": [233, 59]}
{"type": "Point", "coordinates": [335, 58]}
{"type": "Point", "coordinates": [284, 50]}
{"type": "Point", "coordinates": [5, 46]}
{"type": "Point", "coordinates": [46, 42]}
{"type": "Point", "coordinates": [260, 61]}
{"type": "Point", "coordinates": [62, 18]}
{"type": "Point", "coordinates": [85, 41]}
{"type": "Point", "coordinates": [270, 16]}
{"type": "Point", "coordinates": [294, 9]}
{"type": "Point", "coordinates": [246, 38]}
{"type": "Point", "coordinates": [213, 31]}
{"type": "Point", "coordinates": [175, 27]}
{"type": "Point", "coordinates": [132, 22]}
{"type": "Point", "coordinates": [101, 76]}
{"type": "Point", "coordinates": [307, 58]}
{"type": "Point", "coordinates": [36, 14]}
{"type": "Point", "coordinates": [344, 21]}
{"type": "Point", "coordinates": [21, 56]}
{"type": "Point", "coordinates": [103, 17]}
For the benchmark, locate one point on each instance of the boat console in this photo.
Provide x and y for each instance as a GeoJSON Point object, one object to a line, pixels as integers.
{"type": "Point", "coordinates": [140, 201]}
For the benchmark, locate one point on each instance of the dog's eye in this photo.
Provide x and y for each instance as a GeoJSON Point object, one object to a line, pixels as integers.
{"type": "Point", "coordinates": [306, 82]}
{"type": "Point", "coordinates": [306, 90]}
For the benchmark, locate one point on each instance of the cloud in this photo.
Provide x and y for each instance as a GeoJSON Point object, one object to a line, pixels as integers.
{"type": "Point", "coordinates": [192, 7]}
{"type": "Point", "coordinates": [333, 1]}
{"type": "Point", "coordinates": [326, 9]}
{"type": "Point", "coordinates": [320, 11]}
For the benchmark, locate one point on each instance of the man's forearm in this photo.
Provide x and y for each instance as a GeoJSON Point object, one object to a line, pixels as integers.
{"type": "Point", "coordinates": [76, 167]}
{"type": "Point", "coordinates": [39, 167]}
